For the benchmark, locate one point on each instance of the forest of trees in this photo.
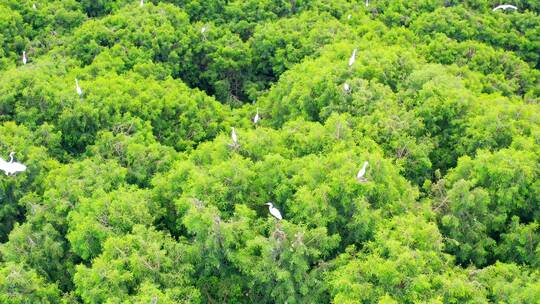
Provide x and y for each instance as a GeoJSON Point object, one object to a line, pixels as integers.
{"type": "Point", "coordinates": [134, 191]}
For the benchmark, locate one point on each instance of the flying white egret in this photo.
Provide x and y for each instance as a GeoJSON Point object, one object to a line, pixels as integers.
{"type": "Point", "coordinates": [142, 3]}
{"type": "Point", "coordinates": [505, 7]}
{"type": "Point", "coordinates": [234, 137]}
{"type": "Point", "coordinates": [353, 58]}
{"type": "Point", "coordinates": [24, 59]}
{"type": "Point", "coordinates": [362, 172]}
{"type": "Point", "coordinates": [79, 90]}
{"type": "Point", "coordinates": [346, 87]}
{"type": "Point", "coordinates": [257, 117]}
{"type": "Point", "coordinates": [11, 167]}
{"type": "Point", "coordinates": [274, 211]}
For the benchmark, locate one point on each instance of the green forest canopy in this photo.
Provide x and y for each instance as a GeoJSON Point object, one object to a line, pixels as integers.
{"type": "Point", "coordinates": [135, 193]}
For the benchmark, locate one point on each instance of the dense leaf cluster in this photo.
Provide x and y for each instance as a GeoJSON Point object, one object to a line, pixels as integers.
{"type": "Point", "coordinates": [135, 193]}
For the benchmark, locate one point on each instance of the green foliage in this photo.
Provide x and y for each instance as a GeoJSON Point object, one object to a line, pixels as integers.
{"type": "Point", "coordinates": [135, 191]}
{"type": "Point", "coordinates": [487, 199]}
{"type": "Point", "coordinates": [20, 286]}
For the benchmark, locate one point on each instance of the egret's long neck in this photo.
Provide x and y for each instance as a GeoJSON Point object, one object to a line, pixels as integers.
{"type": "Point", "coordinates": [365, 166]}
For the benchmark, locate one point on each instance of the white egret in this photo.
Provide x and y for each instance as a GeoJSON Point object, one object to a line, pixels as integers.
{"type": "Point", "coordinates": [367, 3]}
{"type": "Point", "coordinates": [505, 7]}
{"type": "Point", "coordinates": [142, 3]}
{"type": "Point", "coordinates": [234, 137]}
{"type": "Point", "coordinates": [203, 29]}
{"type": "Point", "coordinates": [274, 211]}
{"type": "Point", "coordinates": [257, 117]}
{"type": "Point", "coordinates": [360, 176]}
{"type": "Point", "coordinates": [11, 167]}
{"type": "Point", "coordinates": [349, 17]}
{"type": "Point", "coordinates": [34, 6]}
{"type": "Point", "coordinates": [353, 58]}
{"type": "Point", "coordinates": [24, 59]}
{"type": "Point", "coordinates": [79, 90]}
{"type": "Point", "coordinates": [346, 88]}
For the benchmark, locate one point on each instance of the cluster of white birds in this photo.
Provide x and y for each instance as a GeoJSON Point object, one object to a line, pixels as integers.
{"type": "Point", "coordinates": [11, 167]}
{"type": "Point", "coordinates": [360, 176]}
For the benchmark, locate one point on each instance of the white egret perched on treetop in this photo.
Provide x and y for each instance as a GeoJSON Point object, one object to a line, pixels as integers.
{"type": "Point", "coordinates": [367, 3]}
{"type": "Point", "coordinates": [203, 29]}
{"type": "Point", "coordinates": [142, 3]}
{"type": "Point", "coordinates": [505, 7]}
{"type": "Point", "coordinates": [349, 17]}
{"type": "Point", "coordinates": [79, 90]}
{"type": "Point", "coordinates": [353, 58]}
{"type": "Point", "coordinates": [257, 117]}
{"type": "Point", "coordinates": [34, 6]}
{"type": "Point", "coordinates": [360, 176]}
{"type": "Point", "coordinates": [234, 137]}
{"type": "Point", "coordinates": [274, 211]}
{"type": "Point", "coordinates": [11, 167]}
{"type": "Point", "coordinates": [24, 59]}
{"type": "Point", "coordinates": [346, 87]}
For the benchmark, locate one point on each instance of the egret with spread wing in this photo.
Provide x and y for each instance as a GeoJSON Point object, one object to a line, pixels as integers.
{"type": "Point", "coordinates": [11, 167]}
{"type": "Point", "coordinates": [505, 7]}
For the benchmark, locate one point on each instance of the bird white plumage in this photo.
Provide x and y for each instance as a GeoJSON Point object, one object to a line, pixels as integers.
{"type": "Point", "coordinates": [257, 117]}
{"type": "Point", "coordinates": [141, 3]}
{"type": "Point", "coordinates": [274, 211]}
{"type": "Point", "coordinates": [233, 136]}
{"type": "Point", "coordinates": [349, 17]}
{"type": "Point", "coordinates": [367, 3]}
{"type": "Point", "coordinates": [505, 7]}
{"type": "Point", "coordinates": [346, 87]}
{"type": "Point", "coordinates": [24, 59]}
{"type": "Point", "coordinates": [362, 172]}
{"type": "Point", "coordinates": [203, 29]}
{"type": "Point", "coordinates": [79, 90]}
{"type": "Point", "coordinates": [11, 167]}
{"type": "Point", "coordinates": [353, 58]}
{"type": "Point", "coordinates": [34, 6]}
